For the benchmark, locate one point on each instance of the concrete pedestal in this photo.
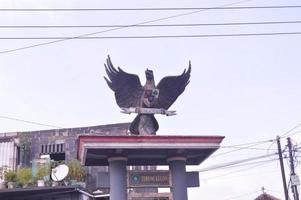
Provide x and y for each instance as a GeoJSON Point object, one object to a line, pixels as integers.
{"type": "Point", "coordinates": [146, 150]}
{"type": "Point", "coordinates": [118, 180]}
{"type": "Point", "coordinates": [177, 166]}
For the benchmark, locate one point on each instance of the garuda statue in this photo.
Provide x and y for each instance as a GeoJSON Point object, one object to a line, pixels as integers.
{"type": "Point", "coordinates": [145, 100]}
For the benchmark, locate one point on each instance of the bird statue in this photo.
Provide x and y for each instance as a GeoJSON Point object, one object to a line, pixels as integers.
{"type": "Point", "coordinates": [145, 100]}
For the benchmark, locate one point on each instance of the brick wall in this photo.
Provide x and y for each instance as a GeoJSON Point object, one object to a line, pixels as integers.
{"type": "Point", "coordinates": [68, 137]}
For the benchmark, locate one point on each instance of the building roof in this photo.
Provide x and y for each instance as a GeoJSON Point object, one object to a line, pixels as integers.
{"type": "Point", "coordinates": [266, 196]}
{"type": "Point", "coordinates": [85, 129]}
{"type": "Point", "coordinates": [146, 150]}
{"type": "Point", "coordinates": [34, 192]}
{"type": "Point", "coordinates": [42, 193]}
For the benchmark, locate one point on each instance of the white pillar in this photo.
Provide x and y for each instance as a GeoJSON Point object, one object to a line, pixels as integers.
{"type": "Point", "coordinates": [177, 166]}
{"type": "Point", "coordinates": [6, 153]}
{"type": "Point", "coordinates": [118, 178]}
{"type": "Point", "coordinates": [11, 154]}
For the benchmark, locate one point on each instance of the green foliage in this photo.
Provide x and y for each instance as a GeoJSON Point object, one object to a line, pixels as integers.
{"type": "Point", "coordinates": [25, 142]}
{"type": "Point", "coordinates": [24, 176]}
{"type": "Point", "coordinates": [3, 170]}
{"type": "Point", "coordinates": [42, 172]}
{"type": "Point", "coordinates": [11, 176]}
{"type": "Point", "coordinates": [54, 163]}
{"type": "Point", "coordinates": [76, 170]}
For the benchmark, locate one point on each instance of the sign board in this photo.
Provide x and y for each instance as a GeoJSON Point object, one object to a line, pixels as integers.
{"type": "Point", "coordinates": [145, 179]}
{"type": "Point", "coordinates": [192, 179]}
{"type": "Point", "coordinates": [295, 180]}
{"type": "Point", "coordinates": [149, 179]}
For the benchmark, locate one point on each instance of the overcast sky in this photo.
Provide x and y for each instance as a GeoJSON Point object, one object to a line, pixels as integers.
{"type": "Point", "coordinates": [244, 88]}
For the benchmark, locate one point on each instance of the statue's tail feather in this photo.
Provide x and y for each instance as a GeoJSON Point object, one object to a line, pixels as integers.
{"type": "Point", "coordinates": [155, 122]}
{"type": "Point", "coordinates": [134, 127]}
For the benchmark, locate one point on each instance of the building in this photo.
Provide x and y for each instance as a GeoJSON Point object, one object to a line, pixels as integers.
{"type": "Point", "coordinates": [9, 151]}
{"type": "Point", "coordinates": [19, 149]}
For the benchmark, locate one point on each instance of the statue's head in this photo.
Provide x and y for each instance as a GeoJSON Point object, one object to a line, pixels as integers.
{"type": "Point", "coordinates": [149, 74]}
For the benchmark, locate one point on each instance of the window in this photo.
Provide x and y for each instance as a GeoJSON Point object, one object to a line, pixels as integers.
{"type": "Point", "coordinates": [55, 151]}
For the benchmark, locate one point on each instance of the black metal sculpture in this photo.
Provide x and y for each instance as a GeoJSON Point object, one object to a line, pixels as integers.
{"type": "Point", "coordinates": [145, 100]}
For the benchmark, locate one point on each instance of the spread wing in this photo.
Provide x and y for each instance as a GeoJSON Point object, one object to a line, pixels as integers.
{"type": "Point", "coordinates": [127, 87]}
{"type": "Point", "coordinates": [171, 87]}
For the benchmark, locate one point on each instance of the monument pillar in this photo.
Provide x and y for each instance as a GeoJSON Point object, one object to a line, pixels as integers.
{"type": "Point", "coordinates": [118, 179]}
{"type": "Point", "coordinates": [177, 166]}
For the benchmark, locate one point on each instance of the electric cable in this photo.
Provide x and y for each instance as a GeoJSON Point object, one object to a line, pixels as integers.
{"type": "Point", "coordinates": [251, 143]}
{"type": "Point", "coordinates": [294, 133]}
{"type": "Point", "coordinates": [248, 174]}
{"type": "Point", "coordinates": [242, 148]}
{"type": "Point", "coordinates": [118, 28]}
{"type": "Point", "coordinates": [239, 170]}
{"type": "Point", "coordinates": [246, 164]}
{"type": "Point", "coordinates": [146, 9]}
{"type": "Point", "coordinates": [153, 36]}
{"type": "Point", "coordinates": [151, 25]}
{"type": "Point", "coordinates": [290, 130]}
{"type": "Point", "coordinates": [284, 134]}
{"type": "Point", "coordinates": [30, 122]}
{"type": "Point", "coordinates": [273, 191]}
{"type": "Point", "coordinates": [235, 162]}
{"type": "Point", "coordinates": [243, 195]}
{"type": "Point", "coordinates": [247, 148]}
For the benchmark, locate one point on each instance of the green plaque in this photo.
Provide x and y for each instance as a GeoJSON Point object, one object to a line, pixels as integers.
{"type": "Point", "coordinates": [149, 179]}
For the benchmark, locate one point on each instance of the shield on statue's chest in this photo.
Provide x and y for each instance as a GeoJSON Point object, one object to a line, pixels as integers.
{"type": "Point", "coordinates": [154, 93]}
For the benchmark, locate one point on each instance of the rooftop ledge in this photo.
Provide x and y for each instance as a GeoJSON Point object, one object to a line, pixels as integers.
{"type": "Point", "coordinates": [146, 150]}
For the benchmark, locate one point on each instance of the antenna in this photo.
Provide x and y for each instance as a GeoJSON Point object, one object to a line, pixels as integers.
{"type": "Point", "coordinates": [59, 173]}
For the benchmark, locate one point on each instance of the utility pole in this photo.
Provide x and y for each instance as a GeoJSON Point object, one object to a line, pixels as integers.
{"type": "Point", "coordinates": [282, 168]}
{"type": "Point", "coordinates": [294, 177]}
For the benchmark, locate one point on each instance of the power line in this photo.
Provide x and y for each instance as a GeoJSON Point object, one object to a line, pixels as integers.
{"type": "Point", "coordinates": [147, 9]}
{"type": "Point", "coordinates": [247, 164]}
{"type": "Point", "coordinates": [294, 133]}
{"type": "Point", "coordinates": [243, 147]}
{"type": "Point", "coordinates": [287, 133]}
{"type": "Point", "coordinates": [248, 148]}
{"type": "Point", "coordinates": [235, 162]}
{"type": "Point", "coordinates": [152, 25]}
{"type": "Point", "coordinates": [118, 28]}
{"type": "Point", "coordinates": [239, 170]}
{"type": "Point", "coordinates": [230, 165]}
{"type": "Point", "coordinates": [243, 175]}
{"type": "Point", "coordinates": [243, 195]}
{"type": "Point", "coordinates": [249, 143]}
{"type": "Point", "coordinates": [151, 36]}
{"type": "Point", "coordinates": [273, 191]}
{"type": "Point", "coordinates": [290, 130]}
{"type": "Point", "coordinates": [29, 122]}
